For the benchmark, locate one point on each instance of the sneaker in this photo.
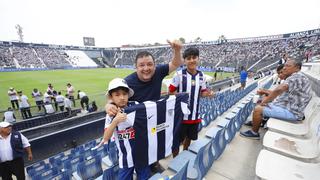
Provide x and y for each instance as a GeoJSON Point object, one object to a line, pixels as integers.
{"type": "Point", "coordinates": [250, 135]}
{"type": "Point", "coordinates": [249, 123]}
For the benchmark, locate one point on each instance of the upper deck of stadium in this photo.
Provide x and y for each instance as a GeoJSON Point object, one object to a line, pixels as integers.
{"type": "Point", "coordinates": [254, 52]}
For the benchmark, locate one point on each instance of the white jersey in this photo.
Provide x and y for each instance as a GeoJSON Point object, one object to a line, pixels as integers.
{"type": "Point", "coordinates": [82, 94]}
{"type": "Point", "coordinates": [23, 103]}
{"type": "Point", "coordinates": [60, 100]}
{"type": "Point", "coordinates": [36, 96]}
{"type": "Point", "coordinates": [47, 98]}
{"type": "Point", "coordinates": [13, 95]}
{"type": "Point", "coordinates": [67, 103]}
{"type": "Point", "coordinates": [9, 117]}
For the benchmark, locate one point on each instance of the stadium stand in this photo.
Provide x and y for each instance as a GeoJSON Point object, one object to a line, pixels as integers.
{"type": "Point", "coordinates": [253, 53]}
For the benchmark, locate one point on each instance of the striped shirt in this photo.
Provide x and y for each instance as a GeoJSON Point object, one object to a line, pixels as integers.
{"type": "Point", "coordinates": [150, 132]}
{"type": "Point", "coordinates": [183, 81]}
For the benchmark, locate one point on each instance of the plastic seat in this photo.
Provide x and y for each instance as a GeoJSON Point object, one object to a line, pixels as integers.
{"type": "Point", "coordinates": [73, 163]}
{"type": "Point", "coordinates": [199, 163]}
{"type": "Point", "coordinates": [219, 141]}
{"type": "Point", "coordinates": [109, 174]}
{"type": "Point", "coordinates": [45, 174]}
{"type": "Point", "coordinates": [271, 165]}
{"type": "Point", "coordinates": [65, 175]}
{"type": "Point", "coordinates": [90, 169]}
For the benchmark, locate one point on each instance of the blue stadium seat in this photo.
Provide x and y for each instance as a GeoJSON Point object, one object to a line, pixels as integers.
{"type": "Point", "coordinates": [72, 163]}
{"type": "Point", "coordinates": [35, 165]}
{"type": "Point", "coordinates": [45, 175]}
{"type": "Point", "coordinates": [55, 157]}
{"type": "Point", "coordinates": [182, 174]}
{"type": "Point", "coordinates": [199, 163]}
{"type": "Point", "coordinates": [32, 172]}
{"type": "Point", "coordinates": [219, 142]}
{"type": "Point", "coordinates": [65, 175]}
{"type": "Point", "coordinates": [90, 169]}
{"type": "Point", "coordinates": [109, 174]}
{"type": "Point", "coordinates": [230, 128]}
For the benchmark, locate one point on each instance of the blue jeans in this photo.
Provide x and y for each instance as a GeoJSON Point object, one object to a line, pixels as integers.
{"type": "Point", "coordinates": [278, 112]}
{"type": "Point", "coordinates": [127, 173]}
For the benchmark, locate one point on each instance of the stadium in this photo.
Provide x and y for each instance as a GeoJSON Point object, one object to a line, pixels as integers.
{"type": "Point", "coordinates": [117, 90]}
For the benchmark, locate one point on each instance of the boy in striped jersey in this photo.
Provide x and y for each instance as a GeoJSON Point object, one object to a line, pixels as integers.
{"type": "Point", "coordinates": [192, 81]}
{"type": "Point", "coordinates": [124, 134]}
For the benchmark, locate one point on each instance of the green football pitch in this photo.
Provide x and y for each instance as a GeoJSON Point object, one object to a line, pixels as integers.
{"type": "Point", "coordinates": [92, 81]}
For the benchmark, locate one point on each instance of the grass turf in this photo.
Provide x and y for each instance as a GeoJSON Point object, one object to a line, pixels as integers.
{"type": "Point", "coordinates": [92, 81]}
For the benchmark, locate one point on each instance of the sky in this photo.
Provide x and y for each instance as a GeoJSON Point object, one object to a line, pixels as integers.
{"type": "Point", "coordinates": [120, 22]}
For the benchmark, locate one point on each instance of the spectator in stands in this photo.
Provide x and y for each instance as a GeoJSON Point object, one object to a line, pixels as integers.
{"type": "Point", "coordinates": [284, 59]}
{"type": "Point", "coordinates": [60, 101]}
{"type": "Point", "coordinates": [13, 95]}
{"type": "Point", "coordinates": [290, 106]}
{"type": "Point", "coordinates": [83, 99]}
{"type": "Point", "coordinates": [192, 81]}
{"type": "Point", "coordinates": [70, 92]}
{"type": "Point", "coordinates": [12, 144]}
{"type": "Point", "coordinates": [37, 95]}
{"type": "Point", "coordinates": [9, 116]}
{"type": "Point", "coordinates": [119, 93]}
{"type": "Point", "coordinates": [24, 105]}
{"type": "Point", "coordinates": [263, 93]}
{"type": "Point", "coordinates": [243, 77]}
{"type": "Point", "coordinates": [67, 104]}
{"type": "Point", "coordinates": [146, 82]}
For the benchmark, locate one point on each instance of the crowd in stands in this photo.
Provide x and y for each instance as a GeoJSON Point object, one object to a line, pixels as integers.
{"type": "Point", "coordinates": [228, 54]}
{"type": "Point", "coordinates": [51, 57]}
{"type": "Point", "coordinates": [232, 54]}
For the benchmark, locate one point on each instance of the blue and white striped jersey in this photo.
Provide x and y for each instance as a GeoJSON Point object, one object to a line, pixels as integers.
{"type": "Point", "coordinates": [183, 81]}
{"type": "Point", "coordinates": [155, 130]}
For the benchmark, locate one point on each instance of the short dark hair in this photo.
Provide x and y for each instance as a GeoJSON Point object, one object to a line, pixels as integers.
{"type": "Point", "coordinates": [280, 67]}
{"type": "Point", "coordinates": [191, 52]}
{"type": "Point", "coordinates": [119, 88]}
{"type": "Point", "coordinates": [142, 54]}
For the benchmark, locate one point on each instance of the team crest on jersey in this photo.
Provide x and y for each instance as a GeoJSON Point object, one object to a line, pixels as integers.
{"type": "Point", "coordinates": [193, 82]}
{"type": "Point", "coordinates": [159, 128]}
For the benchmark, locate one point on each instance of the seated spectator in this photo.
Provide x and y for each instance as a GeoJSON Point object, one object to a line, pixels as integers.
{"type": "Point", "coordinates": [263, 93]}
{"type": "Point", "coordinates": [93, 107]}
{"type": "Point", "coordinates": [9, 116]}
{"type": "Point", "coordinates": [290, 107]}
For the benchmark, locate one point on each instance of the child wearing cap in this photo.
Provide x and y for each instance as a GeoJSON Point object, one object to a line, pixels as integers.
{"type": "Point", "coordinates": [119, 93]}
